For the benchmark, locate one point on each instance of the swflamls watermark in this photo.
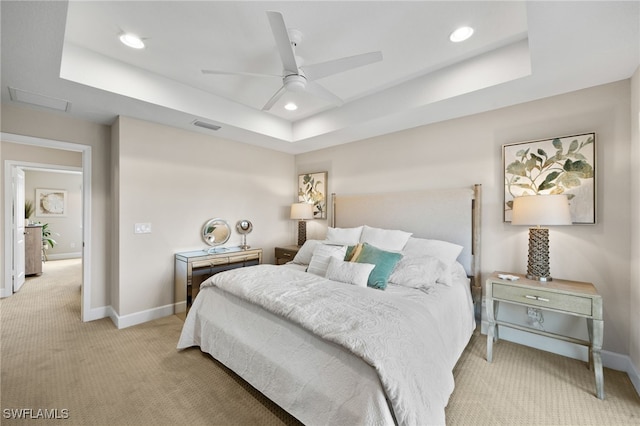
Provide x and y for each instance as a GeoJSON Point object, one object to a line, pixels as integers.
{"type": "Point", "coordinates": [36, 413]}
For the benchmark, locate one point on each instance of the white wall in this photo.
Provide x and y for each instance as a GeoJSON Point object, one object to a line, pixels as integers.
{"type": "Point", "coordinates": [177, 180]}
{"type": "Point", "coordinates": [465, 151]}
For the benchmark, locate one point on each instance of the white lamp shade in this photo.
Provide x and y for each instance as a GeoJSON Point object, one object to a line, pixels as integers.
{"type": "Point", "coordinates": [301, 211]}
{"type": "Point", "coordinates": [541, 210]}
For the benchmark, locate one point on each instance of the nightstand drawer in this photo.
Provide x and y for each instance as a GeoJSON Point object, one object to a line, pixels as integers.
{"type": "Point", "coordinates": [285, 254]}
{"type": "Point", "coordinates": [545, 299]}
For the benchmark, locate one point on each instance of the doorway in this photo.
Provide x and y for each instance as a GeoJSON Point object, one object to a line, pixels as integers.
{"type": "Point", "coordinates": [6, 289]}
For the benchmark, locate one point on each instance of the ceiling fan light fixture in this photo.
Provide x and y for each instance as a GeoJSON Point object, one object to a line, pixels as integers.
{"type": "Point", "coordinates": [290, 106]}
{"type": "Point", "coordinates": [295, 82]}
{"type": "Point", "coordinates": [131, 40]}
{"type": "Point", "coordinates": [461, 34]}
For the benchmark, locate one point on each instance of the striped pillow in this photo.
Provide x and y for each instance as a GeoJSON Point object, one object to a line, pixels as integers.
{"type": "Point", "coordinates": [321, 255]}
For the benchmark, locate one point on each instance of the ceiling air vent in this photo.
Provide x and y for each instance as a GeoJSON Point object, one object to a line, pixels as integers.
{"type": "Point", "coordinates": [26, 97]}
{"type": "Point", "coordinates": [206, 125]}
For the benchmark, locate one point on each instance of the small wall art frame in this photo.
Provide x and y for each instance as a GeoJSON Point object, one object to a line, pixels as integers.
{"type": "Point", "coordinates": [312, 188]}
{"type": "Point", "coordinates": [51, 203]}
{"type": "Point", "coordinates": [562, 165]}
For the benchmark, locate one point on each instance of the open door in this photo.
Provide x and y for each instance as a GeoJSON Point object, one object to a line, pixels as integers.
{"type": "Point", "coordinates": [18, 229]}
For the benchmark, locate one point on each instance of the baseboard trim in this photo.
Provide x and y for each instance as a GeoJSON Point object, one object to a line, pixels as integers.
{"type": "Point", "coordinates": [634, 375]}
{"type": "Point", "coordinates": [124, 321]}
{"type": "Point", "coordinates": [62, 256]}
{"type": "Point", "coordinates": [98, 313]}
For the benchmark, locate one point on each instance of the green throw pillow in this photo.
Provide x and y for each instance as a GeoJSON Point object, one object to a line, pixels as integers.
{"type": "Point", "coordinates": [384, 262]}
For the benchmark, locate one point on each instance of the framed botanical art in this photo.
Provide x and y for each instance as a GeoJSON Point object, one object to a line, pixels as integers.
{"type": "Point", "coordinates": [562, 165]}
{"type": "Point", "coordinates": [312, 189]}
{"type": "Point", "coordinates": [51, 203]}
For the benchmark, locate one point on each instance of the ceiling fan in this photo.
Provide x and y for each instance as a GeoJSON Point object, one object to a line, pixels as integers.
{"type": "Point", "coordinates": [298, 77]}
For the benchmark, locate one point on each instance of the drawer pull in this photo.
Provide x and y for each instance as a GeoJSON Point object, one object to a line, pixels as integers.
{"type": "Point", "coordinates": [542, 299]}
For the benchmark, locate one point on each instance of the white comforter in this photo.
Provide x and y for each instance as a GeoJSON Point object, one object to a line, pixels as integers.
{"type": "Point", "coordinates": [401, 332]}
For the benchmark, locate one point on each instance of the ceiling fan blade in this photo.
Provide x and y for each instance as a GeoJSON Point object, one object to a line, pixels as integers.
{"type": "Point", "coordinates": [319, 91]}
{"type": "Point", "coordinates": [241, 73]}
{"type": "Point", "coordinates": [279, 29]}
{"type": "Point", "coordinates": [325, 69]}
{"type": "Point", "coordinates": [274, 99]}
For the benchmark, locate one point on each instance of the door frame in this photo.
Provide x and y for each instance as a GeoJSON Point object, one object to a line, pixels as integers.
{"type": "Point", "coordinates": [6, 289]}
{"type": "Point", "coordinates": [18, 229]}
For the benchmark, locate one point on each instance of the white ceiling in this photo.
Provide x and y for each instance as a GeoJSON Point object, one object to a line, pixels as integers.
{"type": "Point", "coordinates": [520, 51]}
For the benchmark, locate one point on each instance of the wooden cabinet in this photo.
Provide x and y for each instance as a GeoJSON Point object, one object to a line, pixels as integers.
{"type": "Point", "coordinates": [193, 267]}
{"type": "Point", "coordinates": [33, 250]}
{"type": "Point", "coordinates": [286, 254]}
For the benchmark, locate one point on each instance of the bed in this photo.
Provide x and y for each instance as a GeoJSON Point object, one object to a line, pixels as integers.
{"type": "Point", "coordinates": [331, 352]}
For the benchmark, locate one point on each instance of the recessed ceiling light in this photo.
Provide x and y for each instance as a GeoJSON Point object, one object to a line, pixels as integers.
{"type": "Point", "coordinates": [461, 34]}
{"type": "Point", "coordinates": [132, 41]}
{"type": "Point", "coordinates": [291, 106]}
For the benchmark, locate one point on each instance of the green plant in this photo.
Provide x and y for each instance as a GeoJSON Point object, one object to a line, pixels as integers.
{"type": "Point", "coordinates": [46, 236]}
{"type": "Point", "coordinates": [537, 172]}
{"type": "Point", "coordinates": [28, 209]}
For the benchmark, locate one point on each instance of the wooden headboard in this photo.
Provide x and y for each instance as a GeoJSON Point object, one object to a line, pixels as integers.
{"type": "Point", "coordinates": [448, 214]}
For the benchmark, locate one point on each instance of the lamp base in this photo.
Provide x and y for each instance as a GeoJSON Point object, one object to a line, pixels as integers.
{"type": "Point", "coordinates": [538, 260]}
{"type": "Point", "coordinates": [244, 245]}
{"type": "Point", "coordinates": [302, 232]}
{"type": "Point", "coordinates": [541, 279]}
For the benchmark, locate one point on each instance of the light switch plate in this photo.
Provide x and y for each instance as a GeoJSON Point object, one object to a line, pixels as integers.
{"type": "Point", "coordinates": [142, 228]}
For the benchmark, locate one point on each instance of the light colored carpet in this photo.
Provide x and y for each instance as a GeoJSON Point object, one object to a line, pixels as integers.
{"type": "Point", "coordinates": [135, 376]}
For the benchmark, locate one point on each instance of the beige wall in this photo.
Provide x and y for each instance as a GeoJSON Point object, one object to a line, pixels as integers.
{"type": "Point", "coordinates": [178, 189]}
{"type": "Point", "coordinates": [47, 125]}
{"type": "Point", "coordinates": [171, 178]}
{"type": "Point", "coordinates": [465, 151]}
{"type": "Point", "coordinates": [635, 225]}
{"type": "Point", "coordinates": [66, 230]}
{"type": "Point", "coordinates": [177, 180]}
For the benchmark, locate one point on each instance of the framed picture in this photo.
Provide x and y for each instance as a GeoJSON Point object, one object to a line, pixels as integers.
{"type": "Point", "coordinates": [312, 189]}
{"type": "Point", "coordinates": [563, 165]}
{"type": "Point", "coordinates": [51, 203]}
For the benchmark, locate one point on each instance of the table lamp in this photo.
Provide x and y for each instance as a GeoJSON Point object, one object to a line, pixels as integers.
{"type": "Point", "coordinates": [301, 212]}
{"type": "Point", "coordinates": [540, 210]}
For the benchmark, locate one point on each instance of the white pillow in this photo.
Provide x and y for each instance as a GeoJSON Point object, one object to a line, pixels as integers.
{"type": "Point", "coordinates": [321, 256]}
{"type": "Point", "coordinates": [344, 236]}
{"type": "Point", "coordinates": [385, 239]}
{"type": "Point", "coordinates": [445, 251]}
{"type": "Point", "coordinates": [303, 257]}
{"type": "Point", "coordinates": [349, 272]}
{"type": "Point", "coordinates": [417, 271]}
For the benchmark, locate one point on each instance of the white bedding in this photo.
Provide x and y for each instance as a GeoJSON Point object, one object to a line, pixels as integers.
{"type": "Point", "coordinates": [405, 342]}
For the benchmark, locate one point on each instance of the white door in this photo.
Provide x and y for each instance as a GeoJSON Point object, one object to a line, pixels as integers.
{"type": "Point", "coordinates": [18, 228]}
